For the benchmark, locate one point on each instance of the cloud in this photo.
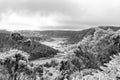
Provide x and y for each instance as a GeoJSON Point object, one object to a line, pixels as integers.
{"type": "Point", "coordinates": [24, 20]}
{"type": "Point", "coordinates": [99, 12]}
{"type": "Point", "coordinates": [60, 14]}
{"type": "Point", "coordinates": [63, 6]}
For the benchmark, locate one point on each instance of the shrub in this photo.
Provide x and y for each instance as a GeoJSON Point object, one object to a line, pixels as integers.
{"type": "Point", "coordinates": [14, 61]}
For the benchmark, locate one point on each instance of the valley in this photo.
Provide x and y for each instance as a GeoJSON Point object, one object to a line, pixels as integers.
{"type": "Point", "coordinates": [60, 55]}
{"type": "Point", "coordinates": [56, 43]}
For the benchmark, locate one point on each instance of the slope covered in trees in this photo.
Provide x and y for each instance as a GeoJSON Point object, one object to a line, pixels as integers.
{"type": "Point", "coordinates": [34, 48]}
{"type": "Point", "coordinates": [95, 57]}
{"type": "Point", "coordinates": [72, 36]}
{"type": "Point", "coordinates": [95, 52]}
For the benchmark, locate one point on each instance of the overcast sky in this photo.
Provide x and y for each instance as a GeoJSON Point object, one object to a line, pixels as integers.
{"type": "Point", "coordinates": [58, 14]}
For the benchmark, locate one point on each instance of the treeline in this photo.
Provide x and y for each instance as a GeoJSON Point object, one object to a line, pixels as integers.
{"type": "Point", "coordinates": [72, 36]}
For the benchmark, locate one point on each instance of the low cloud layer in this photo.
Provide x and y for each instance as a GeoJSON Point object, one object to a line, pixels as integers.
{"type": "Point", "coordinates": [25, 20]}
{"type": "Point", "coordinates": [58, 14]}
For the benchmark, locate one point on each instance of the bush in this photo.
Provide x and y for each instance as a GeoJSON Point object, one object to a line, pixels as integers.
{"type": "Point", "coordinates": [14, 61]}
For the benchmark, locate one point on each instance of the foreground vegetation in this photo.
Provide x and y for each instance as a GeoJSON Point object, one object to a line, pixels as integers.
{"type": "Point", "coordinates": [96, 57]}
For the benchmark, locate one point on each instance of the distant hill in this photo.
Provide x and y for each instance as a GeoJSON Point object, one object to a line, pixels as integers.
{"type": "Point", "coordinates": [36, 50]}
{"type": "Point", "coordinates": [111, 27]}
{"type": "Point", "coordinates": [72, 36]}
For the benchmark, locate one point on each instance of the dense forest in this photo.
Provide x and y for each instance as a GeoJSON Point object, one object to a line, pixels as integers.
{"type": "Point", "coordinates": [96, 56]}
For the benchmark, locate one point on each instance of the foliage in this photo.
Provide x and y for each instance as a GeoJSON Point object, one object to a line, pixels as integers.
{"type": "Point", "coordinates": [102, 45]}
{"type": "Point", "coordinates": [16, 37]}
{"type": "Point", "coordinates": [53, 63]}
{"type": "Point", "coordinates": [33, 48]}
{"type": "Point", "coordinates": [95, 50]}
{"type": "Point", "coordinates": [14, 62]}
{"type": "Point", "coordinates": [17, 65]}
{"type": "Point", "coordinates": [112, 69]}
{"type": "Point", "coordinates": [90, 59]}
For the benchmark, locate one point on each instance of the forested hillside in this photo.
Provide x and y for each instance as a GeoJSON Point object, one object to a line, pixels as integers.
{"type": "Point", "coordinates": [72, 36]}
{"type": "Point", "coordinates": [29, 45]}
{"type": "Point", "coordinates": [95, 57]}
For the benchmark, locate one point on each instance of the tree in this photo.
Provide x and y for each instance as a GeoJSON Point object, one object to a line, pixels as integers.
{"type": "Point", "coordinates": [112, 69]}
{"type": "Point", "coordinates": [28, 42]}
{"type": "Point", "coordinates": [33, 70]}
{"type": "Point", "coordinates": [16, 37]}
{"type": "Point", "coordinates": [86, 59]}
{"type": "Point", "coordinates": [96, 49]}
{"type": "Point", "coordinates": [14, 61]}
